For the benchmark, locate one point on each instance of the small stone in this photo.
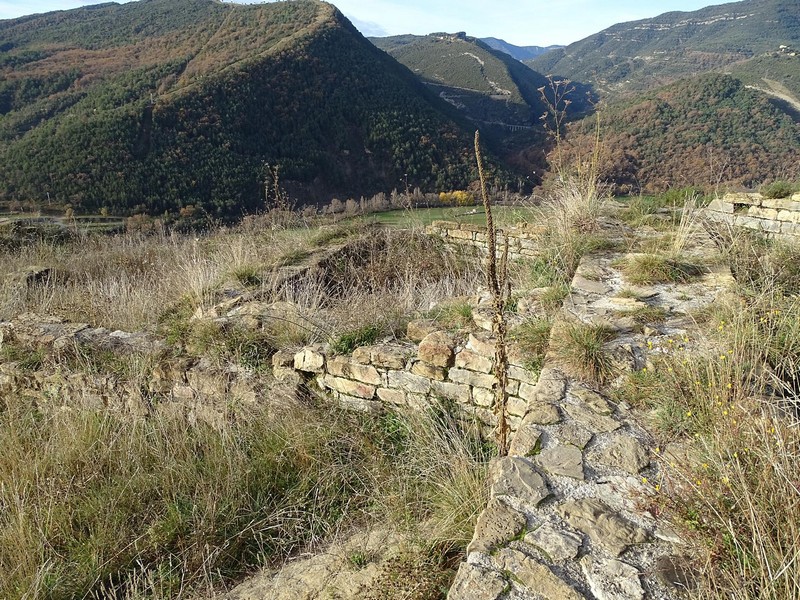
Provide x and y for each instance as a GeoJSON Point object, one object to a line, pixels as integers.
{"type": "Point", "coordinates": [590, 419]}
{"type": "Point", "coordinates": [624, 452]}
{"type": "Point", "coordinates": [612, 579]}
{"type": "Point", "coordinates": [516, 406]}
{"type": "Point", "coordinates": [558, 545]}
{"type": "Point", "coordinates": [360, 404]}
{"type": "Point", "coordinates": [309, 360]}
{"type": "Point", "coordinates": [516, 477]}
{"type": "Point", "coordinates": [428, 371]}
{"type": "Point", "coordinates": [418, 330]}
{"type": "Point", "coordinates": [497, 525]}
{"type": "Point", "coordinates": [592, 399]}
{"type": "Point", "coordinates": [535, 576]}
{"type": "Point", "coordinates": [564, 459]}
{"type": "Point", "coordinates": [603, 526]}
{"type": "Point", "coordinates": [467, 359]}
{"type": "Point", "coordinates": [437, 349]}
{"type": "Point", "coordinates": [474, 583]}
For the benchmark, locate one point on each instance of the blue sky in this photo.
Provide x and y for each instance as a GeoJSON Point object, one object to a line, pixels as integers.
{"type": "Point", "coordinates": [521, 22]}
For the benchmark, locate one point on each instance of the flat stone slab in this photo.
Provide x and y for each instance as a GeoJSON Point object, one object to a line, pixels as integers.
{"type": "Point", "coordinates": [564, 459]}
{"type": "Point", "coordinates": [496, 526]}
{"type": "Point", "coordinates": [557, 544]}
{"type": "Point", "coordinates": [612, 579]}
{"type": "Point", "coordinates": [516, 477]}
{"type": "Point", "coordinates": [535, 576]}
{"type": "Point", "coordinates": [474, 583]}
{"type": "Point", "coordinates": [605, 527]}
{"type": "Point", "coordinates": [624, 452]}
{"type": "Point", "coordinates": [590, 419]}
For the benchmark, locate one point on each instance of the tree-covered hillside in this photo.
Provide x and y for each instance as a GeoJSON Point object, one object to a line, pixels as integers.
{"type": "Point", "coordinates": [486, 85]}
{"type": "Point", "coordinates": [652, 52]}
{"type": "Point", "coordinates": [159, 104]}
{"type": "Point", "coordinates": [702, 131]}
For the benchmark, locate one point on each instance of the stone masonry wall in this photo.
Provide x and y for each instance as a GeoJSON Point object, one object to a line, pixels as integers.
{"type": "Point", "coordinates": [441, 366]}
{"type": "Point", "coordinates": [522, 239]}
{"type": "Point", "coordinates": [776, 217]}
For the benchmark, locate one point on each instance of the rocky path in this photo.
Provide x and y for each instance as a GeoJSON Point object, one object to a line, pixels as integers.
{"type": "Point", "coordinates": [573, 508]}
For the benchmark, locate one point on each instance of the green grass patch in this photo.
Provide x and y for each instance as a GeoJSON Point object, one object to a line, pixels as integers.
{"type": "Point", "coordinates": [533, 337]}
{"type": "Point", "coordinates": [579, 347]}
{"type": "Point", "coordinates": [648, 269]}
{"type": "Point", "coordinates": [349, 341]}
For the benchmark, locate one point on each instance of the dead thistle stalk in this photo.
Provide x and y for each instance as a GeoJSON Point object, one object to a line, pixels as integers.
{"type": "Point", "coordinates": [500, 288]}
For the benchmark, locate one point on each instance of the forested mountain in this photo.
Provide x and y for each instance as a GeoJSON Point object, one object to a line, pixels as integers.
{"type": "Point", "coordinates": [158, 104]}
{"type": "Point", "coordinates": [702, 131]}
{"type": "Point", "coordinates": [486, 85]}
{"type": "Point", "coordinates": [648, 53]}
{"type": "Point", "coordinates": [518, 52]}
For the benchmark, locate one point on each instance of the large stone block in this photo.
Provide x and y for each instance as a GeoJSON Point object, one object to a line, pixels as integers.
{"type": "Point", "coordinates": [392, 396]}
{"type": "Point", "coordinates": [384, 356]}
{"type": "Point", "coordinates": [349, 387]}
{"type": "Point", "coordinates": [789, 216]}
{"type": "Point", "coordinates": [762, 213]}
{"type": "Point", "coordinates": [452, 391]}
{"type": "Point", "coordinates": [478, 380]}
{"type": "Point", "coordinates": [423, 369]}
{"type": "Point", "coordinates": [481, 343]}
{"type": "Point", "coordinates": [401, 380]}
{"type": "Point", "coordinates": [340, 366]}
{"type": "Point", "coordinates": [721, 206]}
{"type": "Point", "coordinates": [437, 349]}
{"type": "Point", "coordinates": [418, 330]}
{"type": "Point", "coordinates": [467, 359]}
{"type": "Point", "coordinates": [309, 360]}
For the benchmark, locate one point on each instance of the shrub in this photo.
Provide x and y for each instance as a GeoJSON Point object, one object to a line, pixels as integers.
{"type": "Point", "coordinates": [647, 269]}
{"type": "Point", "coordinates": [579, 347]}
{"type": "Point", "coordinates": [779, 189]}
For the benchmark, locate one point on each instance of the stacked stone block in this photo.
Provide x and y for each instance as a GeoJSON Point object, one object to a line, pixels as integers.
{"type": "Point", "coordinates": [522, 239]}
{"type": "Point", "coordinates": [776, 217]}
{"type": "Point", "coordinates": [439, 366]}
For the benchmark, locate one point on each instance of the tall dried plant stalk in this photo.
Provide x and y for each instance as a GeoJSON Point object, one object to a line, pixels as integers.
{"type": "Point", "coordinates": [499, 286]}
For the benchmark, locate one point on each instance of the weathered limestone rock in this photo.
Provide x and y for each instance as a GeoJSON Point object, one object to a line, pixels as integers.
{"type": "Point", "coordinates": [391, 396]}
{"type": "Point", "coordinates": [516, 477]}
{"type": "Point", "coordinates": [542, 413]}
{"type": "Point", "coordinates": [522, 375]}
{"type": "Point", "coordinates": [527, 441]}
{"type": "Point", "coordinates": [424, 369]}
{"type": "Point", "coordinates": [557, 544]}
{"type": "Point", "coordinates": [564, 459]}
{"type": "Point", "coordinates": [676, 572]}
{"type": "Point", "coordinates": [612, 579]}
{"type": "Point", "coordinates": [483, 397]}
{"type": "Point", "coordinates": [478, 380]}
{"type": "Point", "coordinates": [474, 583]}
{"type": "Point", "coordinates": [624, 452]}
{"type": "Point", "coordinates": [349, 387]}
{"type": "Point", "coordinates": [418, 330]}
{"type": "Point", "coordinates": [482, 344]}
{"type": "Point", "coordinates": [360, 404]}
{"type": "Point", "coordinates": [467, 359]}
{"type": "Point", "coordinates": [496, 526]}
{"type": "Point", "coordinates": [340, 366]}
{"type": "Point", "coordinates": [437, 349]}
{"type": "Point", "coordinates": [535, 576]}
{"type": "Point", "coordinates": [573, 433]}
{"type": "Point", "coordinates": [590, 286]}
{"type": "Point", "coordinates": [309, 360]}
{"type": "Point", "coordinates": [383, 356]}
{"type": "Point", "coordinates": [590, 419]}
{"type": "Point", "coordinates": [592, 400]}
{"type": "Point", "coordinates": [603, 526]}
{"type": "Point", "coordinates": [451, 391]}
{"type": "Point", "coordinates": [408, 382]}
{"type": "Point", "coordinates": [516, 406]}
